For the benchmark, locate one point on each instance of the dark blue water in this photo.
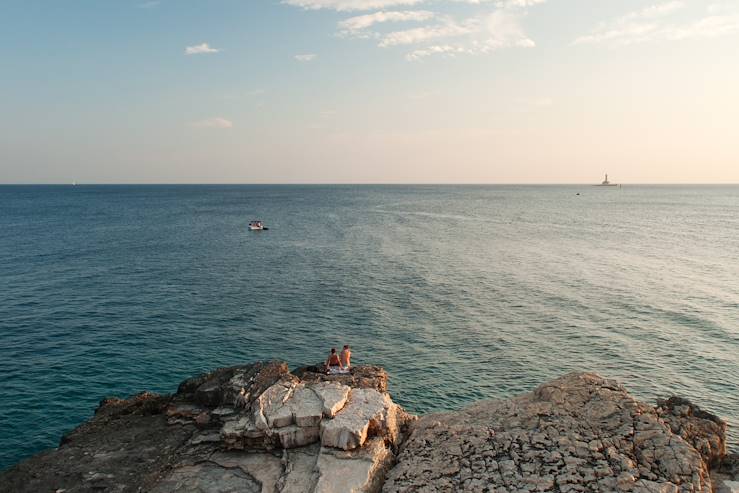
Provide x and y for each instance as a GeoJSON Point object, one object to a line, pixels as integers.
{"type": "Point", "coordinates": [462, 293]}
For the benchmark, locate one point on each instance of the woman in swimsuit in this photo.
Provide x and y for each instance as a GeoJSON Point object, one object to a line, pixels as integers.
{"type": "Point", "coordinates": [333, 362]}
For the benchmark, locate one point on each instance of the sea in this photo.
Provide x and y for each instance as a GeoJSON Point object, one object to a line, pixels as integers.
{"type": "Point", "coordinates": [461, 292]}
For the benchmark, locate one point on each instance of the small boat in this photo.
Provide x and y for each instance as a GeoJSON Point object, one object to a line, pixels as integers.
{"type": "Point", "coordinates": [606, 183]}
{"type": "Point", "coordinates": [257, 226]}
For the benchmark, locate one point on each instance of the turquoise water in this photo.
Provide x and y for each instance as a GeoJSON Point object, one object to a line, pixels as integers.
{"type": "Point", "coordinates": [462, 293]}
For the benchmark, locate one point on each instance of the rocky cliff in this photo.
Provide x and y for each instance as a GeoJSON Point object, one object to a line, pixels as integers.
{"type": "Point", "coordinates": [261, 428]}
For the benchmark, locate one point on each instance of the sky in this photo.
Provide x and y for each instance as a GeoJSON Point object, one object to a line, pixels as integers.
{"type": "Point", "coordinates": [369, 91]}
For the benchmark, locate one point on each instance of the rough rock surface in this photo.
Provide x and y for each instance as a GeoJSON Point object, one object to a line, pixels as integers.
{"type": "Point", "coordinates": [367, 413]}
{"type": "Point", "coordinates": [251, 428]}
{"type": "Point", "coordinates": [361, 377]}
{"type": "Point", "coordinates": [703, 430]}
{"type": "Point", "coordinates": [260, 428]}
{"type": "Point", "coordinates": [575, 434]}
{"type": "Point", "coordinates": [725, 476]}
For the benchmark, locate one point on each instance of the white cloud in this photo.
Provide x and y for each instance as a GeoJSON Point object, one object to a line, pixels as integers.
{"type": "Point", "coordinates": [200, 49]}
{"type": "Point", "coordinates": [349, 5]}
{"type": "Point", "coordinates": [497, 26]}
{"type": "Point", "coordinates": [518, 3]}
{"type": "Point", "coordinates": [307, 57]}
{"type": "Point", "coordinates": [427, 51]}
{"type": "Point", "coordinates": [653, 23]}
{"type": "Point", "coordinates": [149, 5]}
{"type": "Point", "coordinates": [356, 26]}
{"type": "Point", "coordinates": [484, 34]}
{"type": "Point", "coordinates": [450, 29]}
{"type": "Point", "coordinates": [215, 122]}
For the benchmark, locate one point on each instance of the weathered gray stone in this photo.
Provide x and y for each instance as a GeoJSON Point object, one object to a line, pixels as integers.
{"type": "Point", "coordinates": [333, 396]}
{"type": "Point", "coordinates": [706, 432]}
{"type": "Point", "coordinates": [577, 433]}
{"type": "Point", "coordinates": [207, 478]}
{"type": "Point", "coordinates": [264, 468]}
{"type": "Point", "coordinates": [270, 408]}
{"type": "Point", "coordinates": [360, 471]}
{"type": "Point", "coordinates": [297, 436]}
{"type": "Point", "coordinates": [367, 410]}
{"type": "Point", "coordinates": [258, 429]}
{"type": "Point", "coordinates": [360, 377]}
{"type": "Point", "coordinates": [306, 407]}
{"type": "Point", "coordinates": [300, 472]}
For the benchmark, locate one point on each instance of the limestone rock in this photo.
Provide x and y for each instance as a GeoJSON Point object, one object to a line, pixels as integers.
{"type": "Point", "coordinates": [233, 385]}
{"type": "Point", "coordinates": [297, 436]}
{"type": "Point", "coordinates": [300, 472]}
{"type": "Point", "coordinates": [725, 476]}
{"type": "Point", "coordinates": [306, 406]}
{"type": "Point", "coordinates": [360, 471]}
{"type": "Point", "coordinates": [706, 432]}
{"type": "Point", "coordinates": [270, 408]}
{"type": "Point", "coordinates": [259, 428]}
{"type": "Point", "coordinates": [577, 433]}
{"type": "Point", "coordinates": [368, 413]}
{"type": "Point", "coordinates": [206, 478]}
{"type": "Point", "coordinates": [361, 377]}
{"type": "Point", "coordinates": [333, 396]}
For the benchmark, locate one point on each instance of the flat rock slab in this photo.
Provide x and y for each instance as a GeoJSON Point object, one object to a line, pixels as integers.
{"type": "Point", "coordinates": [306, 407]}
{"type": "Point", "coordinates": [271, 409]}
{"type": "Point", "coordinates": [359, 471]}
{"type": "Point", "coordinates": [333, 396]}
{"type": "Point", "coordinates": [264, 468]}
{"type": "Point", "coordinates": [349, 429]}
{"type": "Point", "coordinates": [207, 478]}
{"type": "Point", "coordinates": [300, 473]}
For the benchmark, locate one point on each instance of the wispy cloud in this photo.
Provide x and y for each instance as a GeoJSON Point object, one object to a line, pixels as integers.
{"type": "Point", "coordinates": [350, 5]}
{"type": "Point", "coordinates": [306, 57]}
{"type": "Point", "coordinates": [489, 25]}
{"type": "Point", "coordinates": [203, 48]}
{"type": "Point", "coordinates": [150, 4]}
{"type": "Point", "coordinates": [485, 34]}
{"type": "Point", "coordinates": [518, 3]}
{"type": "Point", "coordinates": [655, 23]}
{"type": "Point", "coordinates": [215, 122]}
{"type": "Point", "coordinates": [449, 29]}
{"type": "Point", "coordinates": [357, 26]}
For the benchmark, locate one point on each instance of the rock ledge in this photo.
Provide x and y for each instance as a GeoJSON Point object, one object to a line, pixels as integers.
{"type": "Point", "coordinates": [261, 428]}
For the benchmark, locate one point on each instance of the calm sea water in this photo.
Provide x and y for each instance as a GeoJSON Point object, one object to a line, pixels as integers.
{"type": "Point", "coordinates": [462, 293]}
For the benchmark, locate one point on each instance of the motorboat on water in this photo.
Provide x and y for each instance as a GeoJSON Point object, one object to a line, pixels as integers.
{"type": "Point", "coordinates": [257, 226]}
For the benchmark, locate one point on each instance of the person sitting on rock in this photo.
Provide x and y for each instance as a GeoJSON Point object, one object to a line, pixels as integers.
{"type": "Point", "coordinates": [333, 363]}
{"type": "Point", "coordinates": [346, 356]}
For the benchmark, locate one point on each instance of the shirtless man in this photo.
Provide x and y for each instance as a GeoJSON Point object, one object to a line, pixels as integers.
{"type": "Point", "coordinates": [333, 361]}
{"type": "Point", "coordinates": [346, 356]}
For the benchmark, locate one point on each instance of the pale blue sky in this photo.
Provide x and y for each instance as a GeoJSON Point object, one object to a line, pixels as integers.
{"type": "Point", "coordinates": [334, 91]}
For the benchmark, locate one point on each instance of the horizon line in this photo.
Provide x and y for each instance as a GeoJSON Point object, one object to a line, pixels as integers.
{"type": "Point", "coordinates": [362, 184]}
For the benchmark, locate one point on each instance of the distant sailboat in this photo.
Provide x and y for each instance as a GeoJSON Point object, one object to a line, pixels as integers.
{"type": "Point", "coordinates": [606, 183]}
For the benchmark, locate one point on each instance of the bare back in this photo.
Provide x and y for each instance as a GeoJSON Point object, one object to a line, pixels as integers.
{"type": "Point", "coordinates": [346, 358]}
